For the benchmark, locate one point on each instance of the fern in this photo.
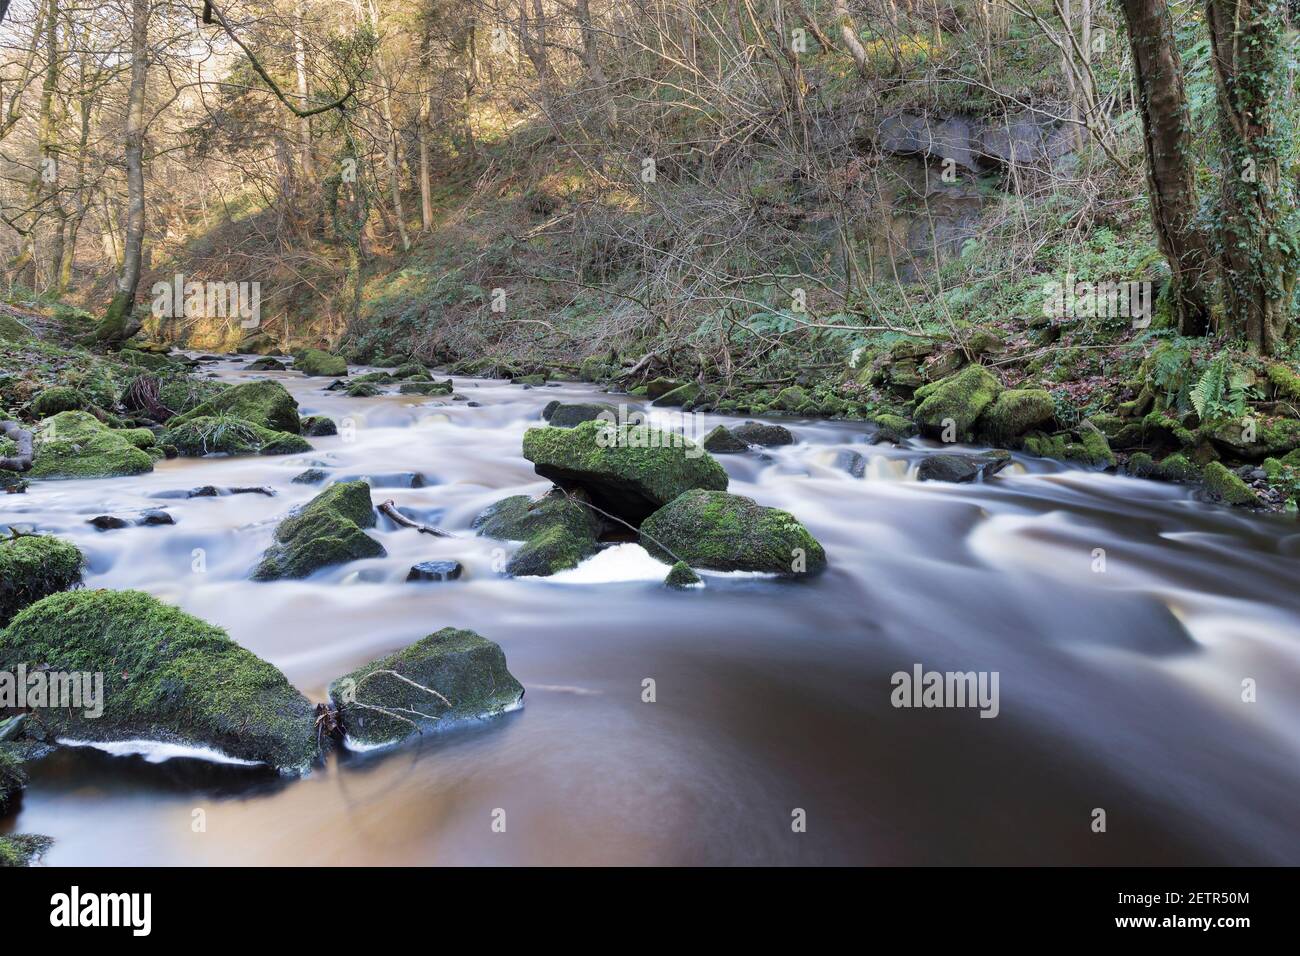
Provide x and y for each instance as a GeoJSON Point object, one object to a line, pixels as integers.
{"type": "Point", "coordinates": [1220, 392]}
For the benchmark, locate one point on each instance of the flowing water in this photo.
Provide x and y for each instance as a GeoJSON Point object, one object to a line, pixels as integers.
{"type": "Point", "coordinates": [1119, 689]}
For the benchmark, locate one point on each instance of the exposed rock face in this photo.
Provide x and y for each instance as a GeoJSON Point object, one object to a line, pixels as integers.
{"type": "Point", "coordinates": [33, 567]}
{"type": "Point", "coordinates": [558, 532]}
{"type": "Point", "coordinates": [973, 144]}
{"type": "Point", "coordinates": [166, 676]}
{"type": "Point", "coordinates": [628, 470]}
{"type": "Point", "coordinates": [78, 445]}
{"type": "Point", "coordinates": [718, 531]}
{"type": "Point", "coordinates": [435, 571]}
{"type": "Point", "coordinates": [461, 676]}
{"type": "Point", "coordinates": [326, 531]}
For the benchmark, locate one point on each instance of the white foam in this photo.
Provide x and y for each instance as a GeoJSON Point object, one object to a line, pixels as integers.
{"type": "Point", "coordinates": [623, 562]}
{"type": "Point", "coordinates": [158, 751]}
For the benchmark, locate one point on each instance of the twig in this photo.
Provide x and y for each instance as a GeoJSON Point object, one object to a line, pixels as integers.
{"type": "Point", "coordinates": [390, 508]}
{"type": "Point", "coordinates": [630, 527]}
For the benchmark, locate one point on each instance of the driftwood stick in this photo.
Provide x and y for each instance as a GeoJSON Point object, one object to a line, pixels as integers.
{"type": "Point", "coordinates": [390, 509]}
{"type": "Point", "coordinates": [630, 527]}
{"type": "Point", "coordinates": [23, 438]}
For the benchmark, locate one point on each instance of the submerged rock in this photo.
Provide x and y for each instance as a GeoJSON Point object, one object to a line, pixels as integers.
{"type": "Point", "coordinates": [265, 403]}
{"type": "Point", "coordinates": [325, 532]}
{"type": "Point", "coordinates": [718, 531]}
{"type": "Point", "coordinates": [435, 571]}
{"type": "Point", "coordinates": [961, 468]}
{"type": "Point", "coordinates": [314, 362]}
{"type": "Point", "coordinates": [166, 676]}
{"type": "Point", "coordinates": [958, 399]}
{"type": "Point", "coordinates": [35, 566]}
{"type": "Point", "coordinates": [465, 676]}
{"type": "Point", "coordinates": [78, 445]}
{"type": "Point", "coordinates": [628, 470]}
{"type": "Point", "coordinates": [558, 532]}
{"type": "Point", "coordinates": [223, 435]}
{"type": "Point", "coordinates": [154, 517]}
{"type": "Point", "coordinates": [312, 476]}
{"type": "Point", "coordinates": [107, 522]}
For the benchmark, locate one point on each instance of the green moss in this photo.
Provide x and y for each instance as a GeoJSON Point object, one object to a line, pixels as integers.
{"type": "Point", "coordinates": [318, 426]}
{"type": "Point", "coordinates": [1286, 383]}
{"type": "Point", "coordinates": [22, 849]}
{"type": "Point", "coordinates": [558, 532]}
{"type": "Point", "coordinates": [1014, 412]}
{"type": "Point", "coordinates": [59, 399]}
{"type": "Point", "coordinates": [425, 388]}
{"type": "Point", "coordinates": [1092, 447]}
{"type": "Point", "coordinates": [1141, 465]}
{"type": "Point", "coordinates": [725, 532]}
{"type": "Point", "coordinates": [959, 399]}
{"type": "Point", "coordinates": [1254, 438]}
{"type": "Point", "coordinates": [11, 330]}
{"type": "Point", "coordinates": [264, 403]}
{"type": "Point", "coordinates": [568, 414]}
{"type": "Point", "coordinates": [467, 670]}
{"type": "Point", "coordinates": [167, 676]}
{"type": "Point", "coordinates": [1227, 487]}
{"type": "Point", "coordinates": [182, 393]}
{"type": "Point", "coordinates": [226, 435]}
{"type": "Point", "coordinates": [628, 470]}
{"type": "Point", "coordinates": [410, 370]}
{"type": "Point", "coordinates": [791, 399]}
{"type": "Point", "coordinates": [363, 390]}
{"type": "Point", "coordinates": [77, 445]}
{"type": "Point", "coordinates": [12, 777]}
{"type": "Point", "coordinates": [680, 576]}
{"type": "Point", "coordinates": [32, 567]}
{"type": "Point", "coordinates": [316, 362]}
{"type": "Point", "coordinates": [894, 427]}
{"type": "Point", "coordinates": [326, 531]}
{"type": "Point", "coordinates": [679, 395]}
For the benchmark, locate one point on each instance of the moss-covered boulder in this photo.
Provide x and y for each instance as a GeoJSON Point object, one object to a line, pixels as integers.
{"type": "Point", "coordinates": [1014, 412]}
{"type": "Point", "coordinates": [265, 364]}
{"type": "Point", "coordinates": [1254, 439]}
{"type": "Point", "coordinates": [426, 388]}
{"type": "Point", "coordinates": [679, 396]}
{"type": "Point", "coordinates": [1086, 445]}
{"type": "Point", "coordinates": [959, 399]}
{"type": "Point", "coordinates": [60, 398]}
{"type": "Point", "coordinates": [569, 414]}
{"type": "Point", "coordinates": [265, 403]}
{"type": "Point", "coordinates": [660, 386]}
{"type": "Point", "coordinates": [723, 441]}
{"type": "Point", "coordinates": [893, 428]}
{"type": "Point", "coordinates": [410, 370]}
{"type": "Point", "coordinates": [363, 390]}
{"type": "Point", "coordinates": [78, 445]}
{"type": "Point", "coordinates": [167, 676]}
{"type": "Point", "coordinates": [314, 362]}
{"type": "Point", "coordinates": [12, 778]}
{"type": "Point", "coordinates": [791, 399]}
{"type": "Point", "coordinates": [227, 435]}
{"type": "Point", "coordinates": [718, 531]}
{"type": "Point", "coordinates": [23, 849]}
{"type": "Point", "coordinates": [1177, 467]}
{"type": "Point", "coordinates": [628, 470]}
{"type": "Point", "coordinates": [460, 676]}
{"type": "Point", "coordinates": [326, 531]}
{"type": "Point", "coordinates": [558, 532]}
{"type": "Point", "coordinates": [762, 433]}
{"type": "Point", "coordinates": [33, 567]}
{"type": "Point", "coordinates": [680, 577]}
{"type": "Point", "coordinates": [1227, 487]}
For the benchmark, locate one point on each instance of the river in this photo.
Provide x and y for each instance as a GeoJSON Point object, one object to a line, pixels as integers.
{"type": "Point", "coordinates": [1121, 617]}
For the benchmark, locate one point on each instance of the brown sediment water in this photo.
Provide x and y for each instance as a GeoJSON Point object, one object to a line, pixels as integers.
{"type": "Point", "coordinates": [1120, 688]}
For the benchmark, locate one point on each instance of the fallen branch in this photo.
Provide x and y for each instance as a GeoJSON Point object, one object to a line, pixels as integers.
{"type": "Point", "coordinates": [390, 509]}
{"type": "Point", "coordinates": [625, 524]}
{"type": "Point", "coordinates": [22, 437]}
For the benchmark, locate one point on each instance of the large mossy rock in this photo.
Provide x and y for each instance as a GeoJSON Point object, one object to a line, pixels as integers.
{"type": "Point", "coordinates": [466, 670]}
{"type": "Point", "coordinates": [326, 531]}
{"type": "Point", "coordinates": [1015, 412]}
{"type": "Point", "coordinates": [1254, 439]}
{"type": "Point", "coordinates": [226, 435]}
{"type": "Point", "coordinates": [628, 470]}
{"type": "Point", "coordinates": [60, 398]}
{"type": "Point", "coordinates": [314, 362]}
{"type": "Point", "coordinates": [1227, 487]}
{"type": "Point", "coordinates": [167, 676]}
{"type": "Point", "coordinates": [558, 532]}
{"type": "Point", "coordinates": [33, 567]}
{"type": "Point", "coordinates": [718, 531]}
{"type": "Point", "coordinates": [78, 445]}
{"type": "Point", "coordinates": [265, 403]}
{"type": "Point", "coordinates": [959, 399]}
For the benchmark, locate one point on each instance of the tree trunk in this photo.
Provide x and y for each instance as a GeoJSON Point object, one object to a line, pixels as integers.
{"type": "Point", "coordinates": [1257, 255]}
{"type": "Point", "coordinates": [120, 322]}
{"type": "Point", "coordinates": [1167, 137]}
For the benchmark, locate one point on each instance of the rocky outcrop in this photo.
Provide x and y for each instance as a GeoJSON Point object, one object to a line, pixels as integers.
{"type": "Point", "coordinates": [558, 532]}
{"type": "Point", "coordinates": [325, 532]}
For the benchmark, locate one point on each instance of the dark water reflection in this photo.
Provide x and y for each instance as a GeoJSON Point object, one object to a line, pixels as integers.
{"type": "Point", "coordinates": [1119, 690]}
